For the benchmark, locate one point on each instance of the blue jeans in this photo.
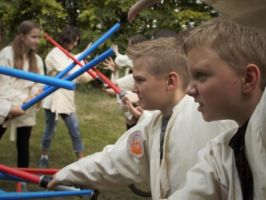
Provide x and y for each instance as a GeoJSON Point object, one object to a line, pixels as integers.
{"type": "Point", "coordinates": [71, 122]}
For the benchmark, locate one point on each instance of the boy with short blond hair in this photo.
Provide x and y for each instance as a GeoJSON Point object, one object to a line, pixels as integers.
{"type": "Point", "coordinates": [165, 55]}
{"type": "Point", "coordinates": [227, 66]}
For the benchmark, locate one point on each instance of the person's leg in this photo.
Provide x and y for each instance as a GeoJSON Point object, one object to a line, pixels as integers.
{"type": "Point", "coordinates": [23, 155]}
{"type": "Point", "coordinates": [2, 131]}
{"type": "Point", "coordinates": [50, 125]}
{"type": "Point", "coordinates": [22, 142]}
{"type": "Point", "coordinates": [71, 122]}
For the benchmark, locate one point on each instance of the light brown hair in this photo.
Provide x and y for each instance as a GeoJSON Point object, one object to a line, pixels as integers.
{"type": "Point", "coordinates": [235, 44]}
{"type": "Point", "coordinates": [17, 44]}
{"type": "Point", "coordinates": [166, 55]}
{"type": "Point", "coordinates": [136, 39]}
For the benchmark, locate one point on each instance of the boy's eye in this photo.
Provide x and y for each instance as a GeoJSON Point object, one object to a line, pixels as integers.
{"type": "Point", "coordinates": [138, 80]}
{"type": "Point", "coordinates": [200, 76]}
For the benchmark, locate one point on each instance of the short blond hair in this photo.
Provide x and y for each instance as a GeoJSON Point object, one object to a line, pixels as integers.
{"type": "Point", "coordinates": [235, 44]}
{"type": "Point", "coordinates": [166, 55]}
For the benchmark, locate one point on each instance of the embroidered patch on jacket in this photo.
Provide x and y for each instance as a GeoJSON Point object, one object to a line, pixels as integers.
{"type": "Point", "coordinates": [135, 144]}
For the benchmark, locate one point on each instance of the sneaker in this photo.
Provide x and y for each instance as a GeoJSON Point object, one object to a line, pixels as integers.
{"type": "Point", "coordinates": [43, 163]}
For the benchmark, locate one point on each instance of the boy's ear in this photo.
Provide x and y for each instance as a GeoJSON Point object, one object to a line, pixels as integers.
{"type": "Point", "coordinates": [251, 78]}
{"type": "Point", "coordinates": [173, 79]}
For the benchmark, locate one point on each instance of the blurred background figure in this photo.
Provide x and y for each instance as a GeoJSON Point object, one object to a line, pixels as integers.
{"type": "Point", "coordinates": [20, 54]}
{"type": "Point", "coordinates": [62, 102]}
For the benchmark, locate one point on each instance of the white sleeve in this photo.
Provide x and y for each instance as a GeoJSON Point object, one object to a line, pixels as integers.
{"type": "Point", "coordinates": [5, 105]}
{"type": "Point", "coordinates": [9, 89]}
{"type": "Point", "coordinates": [126, 83]}
{"type": "Point", "coordinates": [123, 61]}
{"type": "Point", "coordinates": [5, 57]}
{"type": "Point", "coordinates": [56, 60]}
{"type": "Point", "coordinates": [110, 169]}
{"type": "Point", "coordinates": [84, 77]}
{"type": "Point", "coordinates": [4, 108]}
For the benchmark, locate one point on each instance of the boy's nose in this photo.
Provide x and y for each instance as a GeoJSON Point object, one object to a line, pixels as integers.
{"type": "Point", "coordinates": [135, 89]}
{"type": "Point", "coordinates": [191, 90]}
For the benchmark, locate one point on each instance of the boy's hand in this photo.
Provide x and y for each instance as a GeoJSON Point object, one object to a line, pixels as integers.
{"type": "Point", "coordinates": [37, 92]}
{"type": "Point", "coordinates": [34, 94]}
{"type": "Point", "coordinates": [130, 100]}
{"type": "Point", "coordinates": [131, 96]}
{"type": "Point", "coordinates": [110, 92]}
{"type": "Point", "coordinates": [136, 111]}
{"type": "Point", "coordinates": [110, 64]}
{"type": "Point", "coordinates": [52, 184]}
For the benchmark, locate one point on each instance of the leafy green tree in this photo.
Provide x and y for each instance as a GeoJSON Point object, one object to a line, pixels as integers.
{"type": "Point", "coordinates": [94, 17]}
{"type": "Point", "coordinates": [72, 9]}
{"type": "Point", "coordinates": [98, 15]}
{"type": "Point", "coordinates": [50, 14]}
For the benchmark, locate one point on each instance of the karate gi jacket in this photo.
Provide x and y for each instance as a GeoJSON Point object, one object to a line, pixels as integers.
{"type": "Point", "coordinates": [14, 91]}
{"type": "Point", "coordinates": [62, 101]}
{"type": "Point", "coordinates": [135, 157]}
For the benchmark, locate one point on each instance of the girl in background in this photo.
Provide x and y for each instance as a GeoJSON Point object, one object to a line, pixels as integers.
{"type": "Point", "coordinates": [62, 102]}
{"type": "Point", "coordinates": [13, 91]}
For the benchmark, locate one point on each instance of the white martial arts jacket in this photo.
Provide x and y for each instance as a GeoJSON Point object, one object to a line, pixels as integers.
{"type": "Point", "coordinates": [122, 164]}
{"type": "Point", "coordinates": [126, 83]}
{"type": "Point", "coordinates": [62, 100]}
{"type": "Point", "coordinates": [14, 91]}
{"type": "Point", "coordinates": [5, 107]}
{"type": "Point", "coordinates": [215, 176]}
{"type": "Point", "coordinates": [122, 61]}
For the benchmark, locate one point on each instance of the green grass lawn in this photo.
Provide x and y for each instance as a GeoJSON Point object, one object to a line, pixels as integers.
{"type": "Point", "coordinates": [101, 123]}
